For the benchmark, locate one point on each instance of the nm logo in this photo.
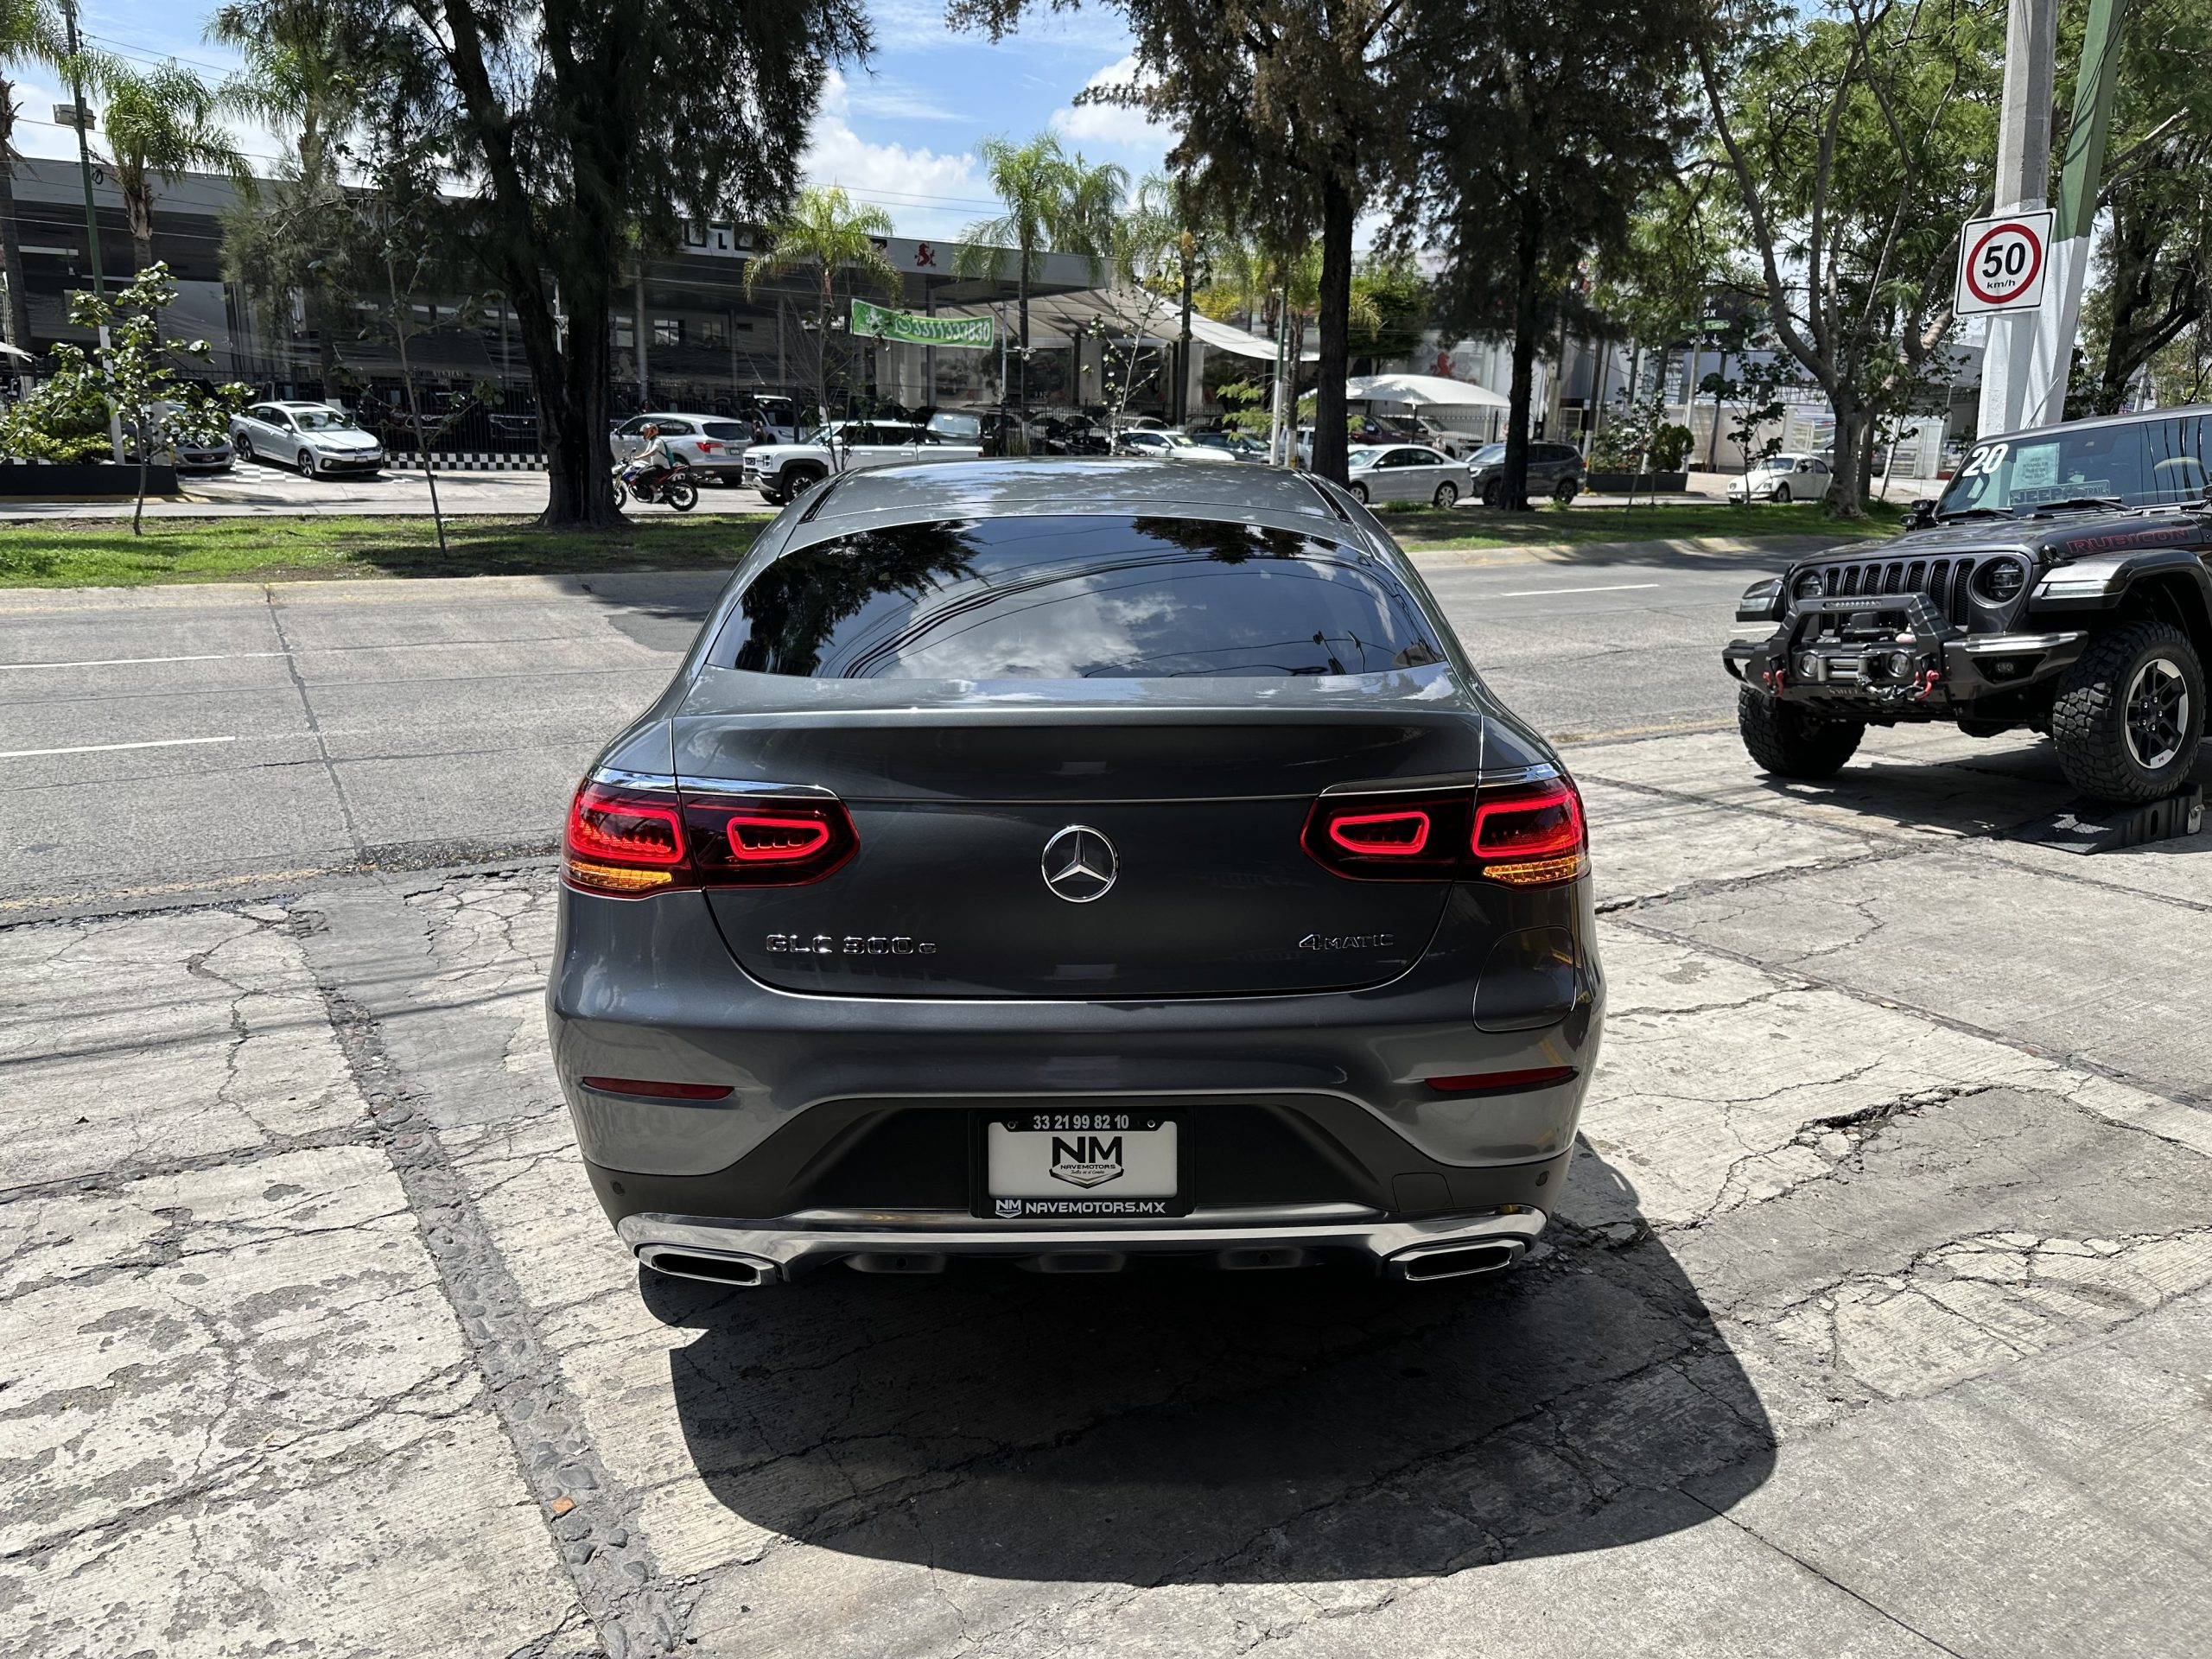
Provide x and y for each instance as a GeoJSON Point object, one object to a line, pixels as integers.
{"type": "Point", "coordinates": [1087, 1160]}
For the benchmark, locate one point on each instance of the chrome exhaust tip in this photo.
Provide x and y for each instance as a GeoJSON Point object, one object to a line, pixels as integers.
{"type": "Point", "coordinates": [715, 1267]}
{"type": "Point", "coordinates": [1456, 1260]}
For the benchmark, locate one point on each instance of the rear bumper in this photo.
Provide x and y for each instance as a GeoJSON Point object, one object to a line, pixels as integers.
{"type": "Point", "coordinates": [756, 1253]}
{"type": "Point", "coordinates": [1920, 665]}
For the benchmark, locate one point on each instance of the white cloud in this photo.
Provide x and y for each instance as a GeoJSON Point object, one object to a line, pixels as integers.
{"type": "Point", "coordinates": [1115, 125]}
{"type": "Point", "coordinates": [928, 193]}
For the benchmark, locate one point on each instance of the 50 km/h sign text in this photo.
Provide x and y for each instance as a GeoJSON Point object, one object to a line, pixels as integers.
{"type": "Point", "coordinates": [2001, 262]}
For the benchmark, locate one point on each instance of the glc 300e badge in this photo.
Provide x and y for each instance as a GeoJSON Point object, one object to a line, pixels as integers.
{"type": "Point", "coordinates": [848, 944]}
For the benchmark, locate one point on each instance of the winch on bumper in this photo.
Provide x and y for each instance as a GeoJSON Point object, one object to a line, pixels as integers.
{"type": "Point", "coordinates": [1889, 652]}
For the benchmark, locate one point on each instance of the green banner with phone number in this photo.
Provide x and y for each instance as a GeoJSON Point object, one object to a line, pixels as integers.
{"type": "Point", "coordinates": [876, 323]}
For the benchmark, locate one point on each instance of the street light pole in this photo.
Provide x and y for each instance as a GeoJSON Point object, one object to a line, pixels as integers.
{"type": "Point", "coordinates": [92, 216]}
{"type": "Point", "coordinates": [2023, 176]}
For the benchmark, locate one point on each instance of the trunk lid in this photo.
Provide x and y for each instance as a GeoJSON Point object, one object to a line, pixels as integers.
{"type": "Point", "coordinates": [1169, 817]}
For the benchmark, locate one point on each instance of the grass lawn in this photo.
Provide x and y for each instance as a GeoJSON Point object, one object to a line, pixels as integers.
{"type": "Point", "coordinates": [1580, 526]}
{"type": "Point", "coordinates": [103, 553]}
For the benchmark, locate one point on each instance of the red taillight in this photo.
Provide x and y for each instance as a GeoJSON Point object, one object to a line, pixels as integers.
{"type": "Point", "coordinates": [1477, 1083]}
{"type": "Point", "coordinates": [766, 838]}
{"type": "Point", "coordinates": [1531, 835]}
{"type": "Point", "coordinates": [1522, 835]}
{"type": "Point", "coordinates": [1381, 835]}
{"type": "Point", "coordinates": [627, 841]}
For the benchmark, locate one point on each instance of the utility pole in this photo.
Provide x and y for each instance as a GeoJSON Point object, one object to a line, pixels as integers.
{"type": "Point", "coordinates": [92, 216]}
{"type": "Point", "coordinates": [2023, 176]}
{"type": "Point", "coordinates": [2081, 178]}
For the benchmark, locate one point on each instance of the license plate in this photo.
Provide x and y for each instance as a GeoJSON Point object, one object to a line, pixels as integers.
{"type": "Point", "coordinates": [1078, 1165]}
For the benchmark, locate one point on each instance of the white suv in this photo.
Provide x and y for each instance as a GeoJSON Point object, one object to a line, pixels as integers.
{"type": "Point", "coordinates": [710, 446]}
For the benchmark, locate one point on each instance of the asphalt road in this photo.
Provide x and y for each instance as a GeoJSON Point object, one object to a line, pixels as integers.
{"type": "Point", "coordinates": [156, 740]}
{"type": "Point", "coordinates": [1875, 1319]}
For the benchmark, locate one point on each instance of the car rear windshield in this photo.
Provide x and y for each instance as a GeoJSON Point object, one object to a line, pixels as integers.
{"type": "Point", "coordinates": [2141, 463]}
{"type": "Point", "coordinates": [1077, 598]}
{"type": "Point", "coordinates": [727, 431]}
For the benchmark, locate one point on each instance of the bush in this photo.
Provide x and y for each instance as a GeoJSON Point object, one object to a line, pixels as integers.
{"type": "Point", "coordinates": [60, 421]}
{"type": "Point", "coordinates": [1670, 447]}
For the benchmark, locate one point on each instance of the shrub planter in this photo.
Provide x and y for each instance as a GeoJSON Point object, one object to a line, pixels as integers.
{"type": "Point", "coordinates": [43, 480]}
{"type": "Point", "coordinates": [1640, 483]}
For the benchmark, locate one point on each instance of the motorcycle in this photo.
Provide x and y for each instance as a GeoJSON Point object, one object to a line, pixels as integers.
{"type": "Point", "coordinates": [677, 490]}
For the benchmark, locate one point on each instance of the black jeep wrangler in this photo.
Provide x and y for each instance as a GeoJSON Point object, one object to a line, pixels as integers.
{"type": "Point", "coordinates": [2059, 583]}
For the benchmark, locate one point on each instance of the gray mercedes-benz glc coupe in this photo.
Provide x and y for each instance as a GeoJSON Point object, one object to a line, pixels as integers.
{"type": "Point", "coordinates": [1076, 861]}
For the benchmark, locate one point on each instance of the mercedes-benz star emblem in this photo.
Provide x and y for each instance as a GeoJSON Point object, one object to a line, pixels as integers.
{"type": "Point", "coordinates": [1079, 864]}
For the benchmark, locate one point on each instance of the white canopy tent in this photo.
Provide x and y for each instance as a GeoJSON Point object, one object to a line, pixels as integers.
{"type": "Point", "coordinates": [1125, 315]}
{"type": "Point", "coordinates": [1434, 390]}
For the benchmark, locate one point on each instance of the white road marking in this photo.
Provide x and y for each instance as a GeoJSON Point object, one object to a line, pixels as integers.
{"type": "Point", "coordinates": [134, 662]}
{"type": "Point", "coordinates": [1545, 593]}
{"type": "Point", "coordinates": [104, 748]}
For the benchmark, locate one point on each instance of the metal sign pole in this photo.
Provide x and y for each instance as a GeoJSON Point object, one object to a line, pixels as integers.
{"type": "Point", "coordinates": [2023, 179]}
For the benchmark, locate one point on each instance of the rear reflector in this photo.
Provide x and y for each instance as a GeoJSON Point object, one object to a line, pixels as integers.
{"type": "Point", "coordinates": [651, 1090]}
{"type": "Point", "coordinates": [1477, 1083]}
{"type": "Point", "coordinates": [633, 839]}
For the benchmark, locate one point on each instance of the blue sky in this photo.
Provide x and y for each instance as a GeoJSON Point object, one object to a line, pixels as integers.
{"type": "Point", "coordinates": [901, 131]}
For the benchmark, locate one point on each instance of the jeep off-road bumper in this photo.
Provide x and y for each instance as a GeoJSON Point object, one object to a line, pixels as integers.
{"type": "Point", "coordinates": [1892, 653]}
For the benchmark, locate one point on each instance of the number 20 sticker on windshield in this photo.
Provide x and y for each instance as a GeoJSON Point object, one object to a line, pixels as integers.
{"type": "Point", "coordinates": [2001, 262]}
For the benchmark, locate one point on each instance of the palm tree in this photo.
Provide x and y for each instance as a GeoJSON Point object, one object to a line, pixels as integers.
{"type": "Point", "coordinates": [161, 124]}
{"type": "Point", "coordinates": [28, 34]}
{"type": "Point", "coordinates": [1169, 211]}
{"type": "Point", "coordinates": [298, 76]}
{"type": "Point", "coordinates": [1054, 202]}
{"type": "Point", "coordinates": [826, 229]}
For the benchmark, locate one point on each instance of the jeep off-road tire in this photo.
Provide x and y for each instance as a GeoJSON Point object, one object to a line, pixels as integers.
{"type": "Point", "coordinates": [2130, 712]}
{"type": "Point", "coordinates": [1793, 742]}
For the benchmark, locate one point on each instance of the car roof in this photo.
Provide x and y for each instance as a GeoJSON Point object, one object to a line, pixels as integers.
{"type": "Point", "coordinates": [1046, 485]}
{"type": "Point", "coordinates": [2137, 415]}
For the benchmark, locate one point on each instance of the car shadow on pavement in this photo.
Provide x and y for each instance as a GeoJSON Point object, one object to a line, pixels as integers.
{"type": "Point", "coordinates": [1183, 1426]}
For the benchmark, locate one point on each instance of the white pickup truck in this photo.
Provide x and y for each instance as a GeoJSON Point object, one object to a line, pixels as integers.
{"type": "Point", "coordinates": [781, 470]}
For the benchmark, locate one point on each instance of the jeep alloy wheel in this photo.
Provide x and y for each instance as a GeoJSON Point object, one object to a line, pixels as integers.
{"type": "Point", "coordinates": [2129, 713]}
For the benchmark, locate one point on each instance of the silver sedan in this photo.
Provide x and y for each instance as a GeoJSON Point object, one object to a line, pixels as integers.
{"type": "Point", "coordinates": [1407, 472]}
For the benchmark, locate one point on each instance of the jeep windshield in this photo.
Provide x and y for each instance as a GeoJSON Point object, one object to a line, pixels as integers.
{"type": "Point", "coordinates": [2129, 465]}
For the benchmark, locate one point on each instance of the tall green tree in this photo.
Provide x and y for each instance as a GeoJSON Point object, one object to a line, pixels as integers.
{"type": "Point", "coordinates": [156, 124]}
{"type": "Point", "coordinates": [1855, 141]}
{"type": "Point", "coordinates": [300, 78]}
{"type": "Point", "coordinates": [825, 230]}
{"type": "Point", "coordinates": [1294, 115]}
{"type": "Point", "coordinates": [1055, 203]}
{"type": "Point", "coordinates": [2153, 269]}
{"type": "Point", "coordinates": [29, 35]}
{"type": "Point", "coordinates": [584, 129]}
{"type": "Point", "coordinates": [1546, 132]}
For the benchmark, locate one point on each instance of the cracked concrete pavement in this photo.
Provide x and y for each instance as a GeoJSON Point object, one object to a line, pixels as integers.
{"type": "Point", "coordinates": [1878, 1319]}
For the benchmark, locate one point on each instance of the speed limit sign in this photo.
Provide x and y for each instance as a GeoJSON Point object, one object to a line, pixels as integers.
{"type": "Point", "coordinates": [2002, 261]}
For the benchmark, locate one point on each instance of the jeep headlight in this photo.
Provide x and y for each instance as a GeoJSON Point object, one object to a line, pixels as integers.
{"type": "Point", "coordinates": [1811, 585]}
{"type": "Point", "coordinates": [1762, 601]}
{"type": "Point", "coordinates": [2000, 582]}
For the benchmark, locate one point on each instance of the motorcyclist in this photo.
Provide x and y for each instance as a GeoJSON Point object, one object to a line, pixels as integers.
{"type": "Point", "coordinates": [651, 464]}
